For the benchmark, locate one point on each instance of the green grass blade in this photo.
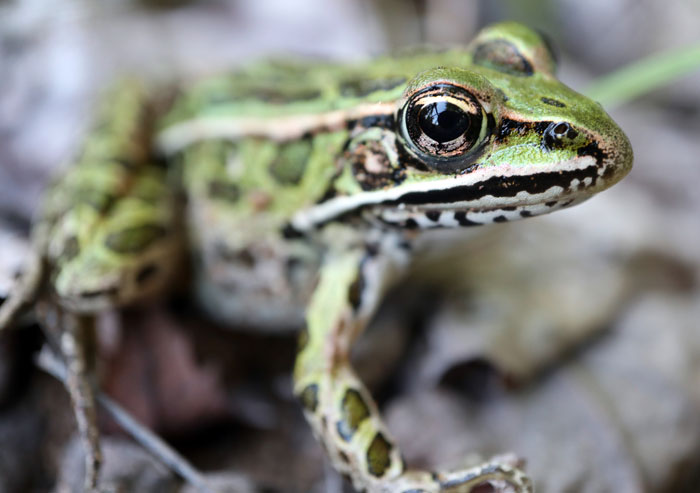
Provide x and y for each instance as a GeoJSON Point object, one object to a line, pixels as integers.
{"type": "Point", "coordinates": [643, 76]}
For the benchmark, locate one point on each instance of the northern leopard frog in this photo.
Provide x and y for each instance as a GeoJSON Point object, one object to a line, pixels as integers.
{"type": "Point", "coordinates": [305, 184]}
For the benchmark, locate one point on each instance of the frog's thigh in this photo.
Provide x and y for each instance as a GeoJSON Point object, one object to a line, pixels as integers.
{"type": "Point", "coordinates": [338, 406]}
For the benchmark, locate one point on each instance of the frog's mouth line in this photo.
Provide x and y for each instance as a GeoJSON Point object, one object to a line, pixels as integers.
{"type": "Point", "coordinates": [484, 189]}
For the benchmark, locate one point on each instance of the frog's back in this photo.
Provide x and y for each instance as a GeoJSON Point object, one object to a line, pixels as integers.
{"type": "Point", "coordinates": [277, 88]}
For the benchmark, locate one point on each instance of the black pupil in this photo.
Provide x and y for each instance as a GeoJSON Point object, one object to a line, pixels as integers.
{"type": "Point", "coordinates": [443, 121]}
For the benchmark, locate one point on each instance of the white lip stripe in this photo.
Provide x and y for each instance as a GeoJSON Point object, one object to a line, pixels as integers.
{"type": "Point", "coordinates": [321, 213]}
{"type": "Point", "coordinates": [447, 217]}
{"type": "Point", "coordinates": [183, 134]}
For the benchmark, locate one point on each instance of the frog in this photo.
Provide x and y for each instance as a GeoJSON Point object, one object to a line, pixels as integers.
{"type": "Point", "coordinates": [296, 190]}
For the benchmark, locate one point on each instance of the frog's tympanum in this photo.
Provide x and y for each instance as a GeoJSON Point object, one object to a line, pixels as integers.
{"type": "Point", "coordinates": [297, 189]}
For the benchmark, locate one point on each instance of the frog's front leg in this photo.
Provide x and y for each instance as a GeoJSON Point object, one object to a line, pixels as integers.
{"type": "Point", "coordinates": [338, 406]}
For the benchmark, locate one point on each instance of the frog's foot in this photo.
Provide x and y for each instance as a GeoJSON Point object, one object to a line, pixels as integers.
{"type": "Point", "coordinates": [501, 473]}
{"type": "Point", "coordinates": [338, 406]}
{"type": "Point", "coordinates": [347, 422]}
{"type": "Point", "coordinates": [492, 476]}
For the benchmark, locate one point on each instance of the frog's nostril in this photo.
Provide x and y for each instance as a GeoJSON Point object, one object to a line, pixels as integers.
{"type": "Point", "coordinates": [557, 133]}
{"type": "Point", "coordinates": [560, 129]}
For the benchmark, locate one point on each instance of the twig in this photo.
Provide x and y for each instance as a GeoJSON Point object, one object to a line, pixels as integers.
{"type": "Point", "coordinates": [48, 362]}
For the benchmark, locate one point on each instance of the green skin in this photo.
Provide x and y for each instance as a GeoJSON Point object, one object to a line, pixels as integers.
{"type": "Point", "coordinates": [305, 185]}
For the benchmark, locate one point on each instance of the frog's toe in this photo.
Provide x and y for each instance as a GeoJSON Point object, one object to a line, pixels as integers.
{"type": "Point", "coordinates": [501, 473]}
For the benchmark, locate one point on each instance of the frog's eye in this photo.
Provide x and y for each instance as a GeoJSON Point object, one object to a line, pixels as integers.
{"type": "Point", "coordinates": [444, 121]}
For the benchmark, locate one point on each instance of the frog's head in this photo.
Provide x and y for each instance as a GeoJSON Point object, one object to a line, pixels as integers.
{"type": "Point", "coordinates": [495, 139]}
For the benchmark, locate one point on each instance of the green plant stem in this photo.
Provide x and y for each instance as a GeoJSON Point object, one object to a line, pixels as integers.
{"type": "Point", "coordinates": [641, 77]}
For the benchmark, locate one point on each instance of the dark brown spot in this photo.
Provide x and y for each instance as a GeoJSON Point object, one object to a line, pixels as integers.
{"type": "Point", "coordinates": [309, 397]}
{"type": "Point", "coordinates": [245, 257]}
{"type": "Point", "coordinates": [291, 233]}
{"type": "Point", "coordinates": [502, 95]}
{"type": "Point", "coordinates": [372, 249]}
{"type": "Point", "coordinates": [303, 339]}
{"type": "Point", "coordinates": [353, 411]}
{"type": "Point", "coordinates": [371, 166]}
{"type": "Point", "coordinates": [592, 149]}
{"type": "Point", "coordinates": [407, 160]}
{"type": "Point", "coordinates": [346, 476]}
{"type": "Point", "coordinates": [278, 94]}
{"type": "Point", "coordinates": [378, 460]}
{"type": "Point", "coordinates": [355, 291]}
{"type": "Point", "coordinates": [95, 293]}
{"type": "Point", "coordinates": [227, 192]}
{"type": "Point", "coordinates": [330, 192]}
{"type": "Point", "coordinates": [344, 457]}
{"type": "Point", "coordinates": [461, 218]}
{"type": "Point", "coordinates": [382, 121]}
{"type": "Point", "coordinates": [553, 102]}
{"type": "Point", "coordinates": [288, 167]}
{"type": "Point", "coordinates": [500, 219]}
{"type": "Point", "coordinates": [274, 95]}
{"type": "Point", "coordinates": [125, 162]}
{"type": "Point", "coordinates": [525, 213]}
{"type": "Point", "coordinates": [434, 216]}
{"type": "Point", "coordinates": [146, 273]}
{"type": "Point", "coordinates": [71, 248]}
{"type": "Point", "coordinates": [96, 199]}
{"type": "Point", "coordinates": [360, 87]}
{"type": "Point", "coordinates": [411, 223]}
{"type": "Point", "coordinates": [135, 239]}
{"type": "Point", "coordinates": [509, 127]}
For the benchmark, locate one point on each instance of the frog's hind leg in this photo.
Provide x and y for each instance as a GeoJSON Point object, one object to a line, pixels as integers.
{"type": "Point", "coordinates": [78, 348]}
{"type": "Point", "coordinates": [339, 408]}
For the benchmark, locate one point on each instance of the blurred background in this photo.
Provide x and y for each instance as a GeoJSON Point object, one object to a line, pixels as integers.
{"type": "Point", "coordinates": [572, 340]}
